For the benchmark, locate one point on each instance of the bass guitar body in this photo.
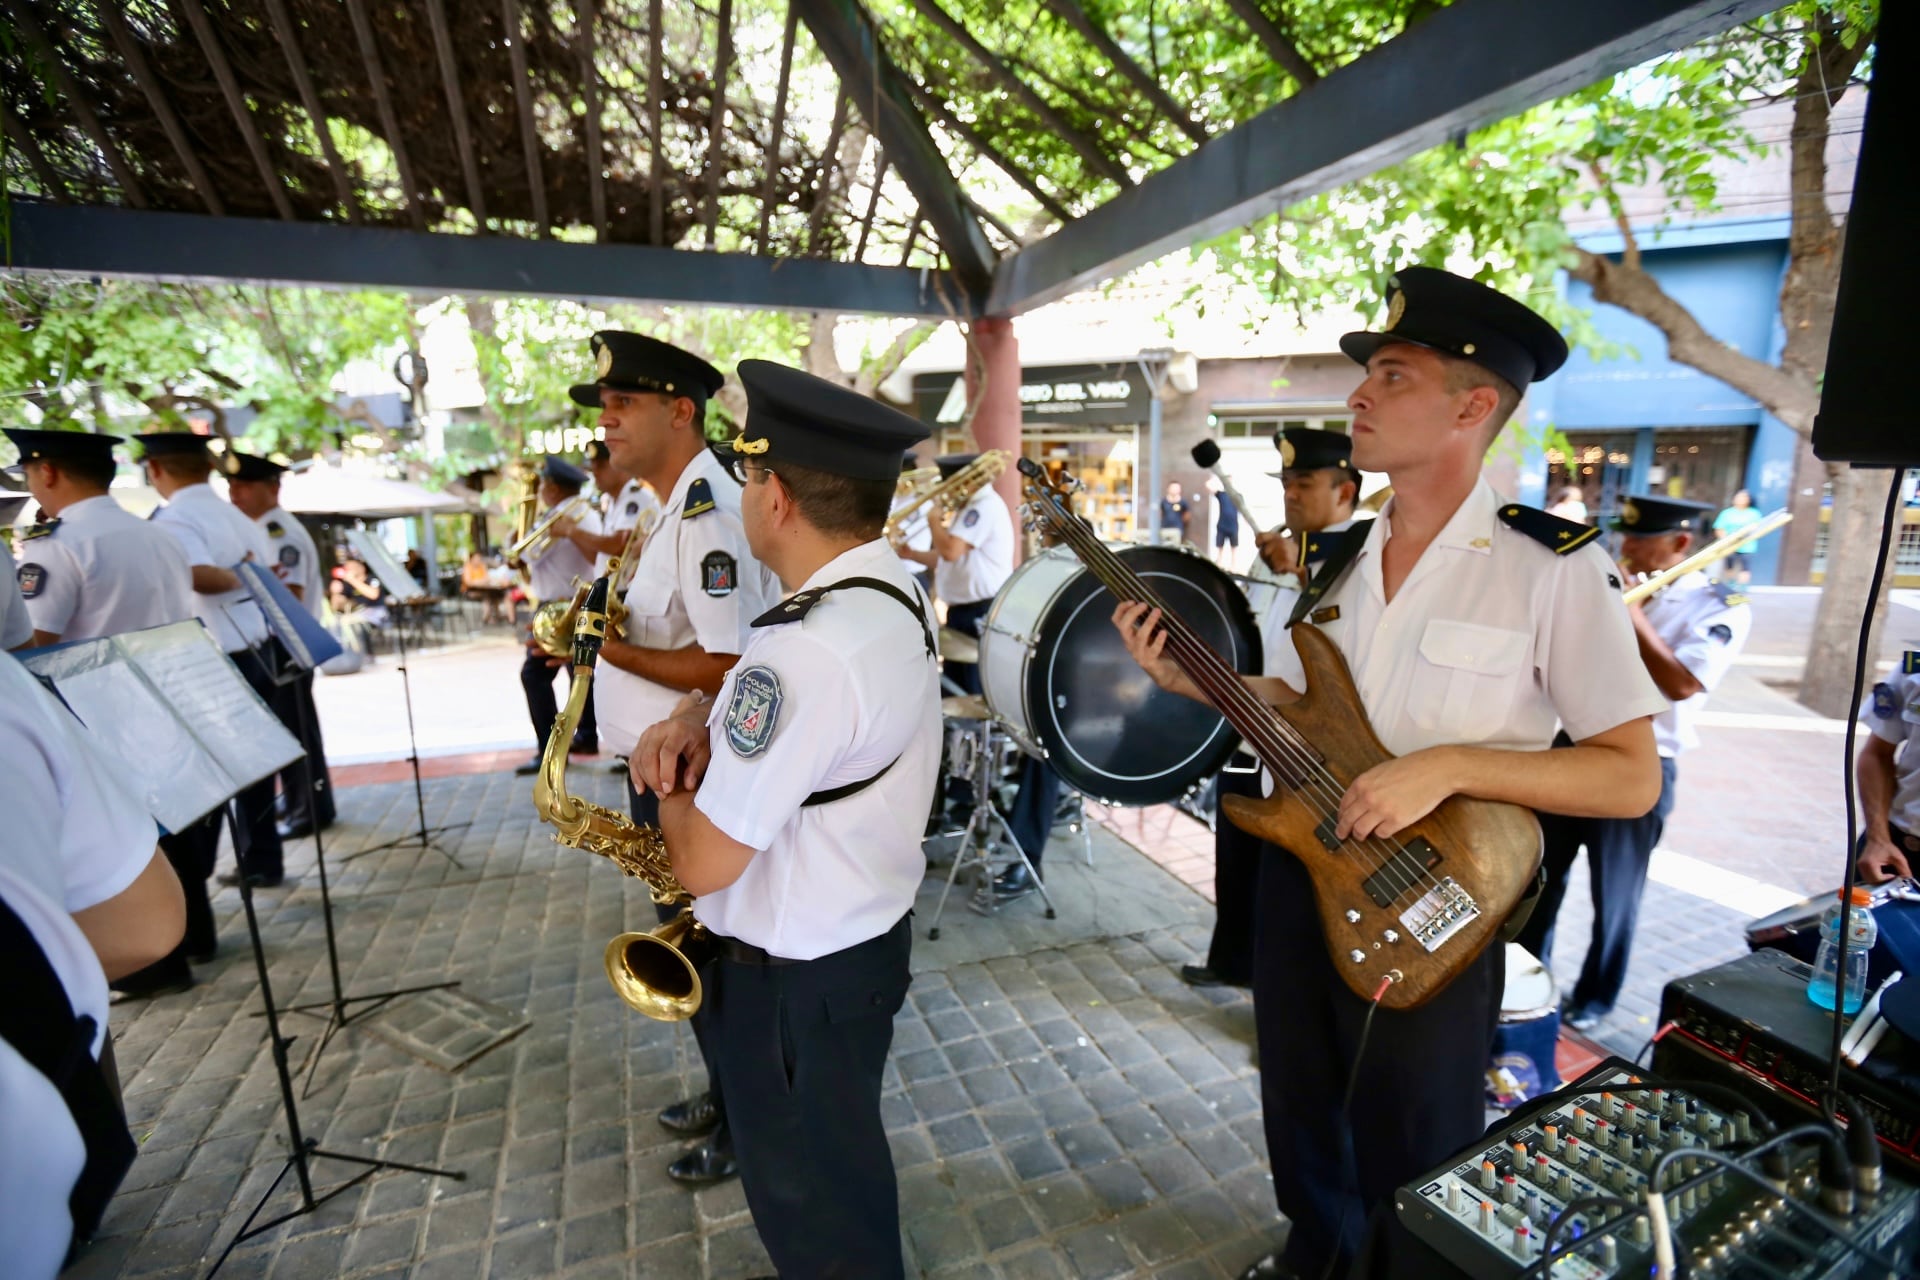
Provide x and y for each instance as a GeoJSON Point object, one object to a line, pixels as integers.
{"type": "Point", "coordinates": [1412, 911]}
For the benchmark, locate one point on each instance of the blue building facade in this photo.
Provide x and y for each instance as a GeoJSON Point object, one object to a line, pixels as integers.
{"type": "Point", "coordinates": [1638, 421]}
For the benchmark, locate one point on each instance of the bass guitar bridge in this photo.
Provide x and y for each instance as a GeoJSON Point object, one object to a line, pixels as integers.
{"type": "Point", "coordinates": [1441, 912]}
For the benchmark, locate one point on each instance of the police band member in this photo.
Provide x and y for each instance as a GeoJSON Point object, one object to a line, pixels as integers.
{"type": "Point", "coordinates": [1472, 626]}
{"type": "Point", "coordinates": [695, 589]}
{"type": "Point", "coordinates": [1316, 470]}
{"type": "Point", "coordinates": [306, 788]}
{"type": "Point", "coordinates": [971, 554]}
{"type": "Point", "coordinates": [216, 536]}
{"type": "Point", "coordinates": [552, 572]}
{"type": "Point", "coordinates": [1689, 635]}
{"type": "Point", "coordinates": [626, 504]}
{"type": "Point", "coordinates": [792, 808]}
{"type": "Point", "coordinates": [1888, 772]}
{"type": "Point", "coordinates": [92, 569]}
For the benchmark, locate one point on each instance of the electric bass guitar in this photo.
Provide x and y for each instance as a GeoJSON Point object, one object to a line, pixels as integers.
{"type": "Point", "coordinates": [1402, 915]}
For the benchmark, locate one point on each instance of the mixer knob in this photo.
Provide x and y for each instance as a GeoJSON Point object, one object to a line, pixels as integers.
{"type": "Point", "coordinates": [1453, 1196]}
{"type": "Point", "coordinates": [1522, 1241]}
{"type": "Point", "coordinates": [1629, 1117]}
{"type": "Point", "coordinates": [1609, 1252]}
{"type": "Point", "coordinates": [1353, 917]}
{"type": "Point", "coordinates": [1657, 1100]}
{"type": "Point", "coordinates": [1653, 1126]}
{"type": "Point", "coordinates": [1642, 1232]}
{"type": "Point", "coordinates": [1582, 1122]}
{"type": "Point", "coordinates": [1550, 1139]}
{"type": "Point", "coordinates": [1742, 1127]}
{"type": "Point", "coordinates": [1619, 1178]}
{"type": "Point", "coordinates": [1519, 1157]}
{"type": "Point", "coordinates": [1486, 1175]}
{"type": "Point", "coordinates": [1486, 1217]}
{"type": "Point", "coordinates": [1563, 1186]}
{"type": "Point", "coordinates": [1609, 1106]}
{"type": "Point", "coordinates": [1357, 956]}
{"type": "Point", "coordinates": [1541, 1173]}
{"type": "Point", "coordinates": [1509, 1189]}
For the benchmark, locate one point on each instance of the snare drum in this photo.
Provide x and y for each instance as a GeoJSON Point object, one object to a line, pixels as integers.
{"type": "Point", "coordinates": [1055, 671]}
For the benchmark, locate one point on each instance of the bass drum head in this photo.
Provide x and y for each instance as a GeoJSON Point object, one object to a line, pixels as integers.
{"type": "Point", "coordinates": [1109, 731]}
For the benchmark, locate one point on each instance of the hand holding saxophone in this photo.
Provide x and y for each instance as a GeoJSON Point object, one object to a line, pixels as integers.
{"type": "Point", "coordinates": [672, 755]}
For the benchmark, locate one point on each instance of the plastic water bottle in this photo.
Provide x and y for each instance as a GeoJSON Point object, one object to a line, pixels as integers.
{"type": "Point", "coordinates": [1861, 933]}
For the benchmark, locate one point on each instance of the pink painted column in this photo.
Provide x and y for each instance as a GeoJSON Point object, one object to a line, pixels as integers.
{"type": "Point", "coordinates": [996, 418]}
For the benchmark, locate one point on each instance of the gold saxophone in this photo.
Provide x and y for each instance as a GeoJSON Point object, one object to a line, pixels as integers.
{"type": "Point", "coordinates": [947, 495]}
{"type": "Point", "coordinates": [651, 971]}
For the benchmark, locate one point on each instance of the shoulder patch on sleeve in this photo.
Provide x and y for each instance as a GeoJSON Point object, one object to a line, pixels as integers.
{"type": "Point", "coordinates": [289, 556]}
{"type": "Point", "coordinates": [719, 574]}
{"type": "Point", "coordinates": [1885, 705]}
{"type": "Point", "coordinates": [752, 711]}
{"type": "Point", "coordinates": [1720, 633]}
{"type": "Point", "coordinates": [699, 499]}
{"type": "Point", "coordinates": [1562, 537]}
{"type": "Point", "coordinates": [971, 519]}
{"type": "Point", "coordinates": [32, 579]}
{"type": "Point", "coordinates": [633, 508]}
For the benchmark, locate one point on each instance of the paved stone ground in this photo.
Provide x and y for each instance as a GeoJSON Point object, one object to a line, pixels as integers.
{"type": "Point", "coordinates": [1059, 1104]}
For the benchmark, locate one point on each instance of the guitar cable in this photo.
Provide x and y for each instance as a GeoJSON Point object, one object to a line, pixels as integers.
{"type": "Point", "coordinates": [1346, 1106]}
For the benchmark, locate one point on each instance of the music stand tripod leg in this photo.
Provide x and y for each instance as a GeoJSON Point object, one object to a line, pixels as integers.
{"type": "Point", "coordinates": [302, 1148]}
{"type": "Point", "coordinates": [1027, 862]}
{"type": "Point", "coordinates": [424, 835]}
{"type": "Point", "coordinates": [971, 852]}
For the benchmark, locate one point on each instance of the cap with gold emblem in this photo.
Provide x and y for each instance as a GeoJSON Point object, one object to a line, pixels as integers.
{"type": "Point", "coordinates": [1311, 449]}
{"type": "Point", "coordinates": [41, 445]}
{"type": "Point", "coordinates": [795, 417]}
{"type": "Point", "coordinates": [1463, 318]}
{"type": "Point", "coordinates": [182, 444]}
{"type": "Point", "coordinates": [625, 361]}
{"type": "Point", "coordinates": [1647, 514]}
{"type": "Point", "coordinates": [247, 466]}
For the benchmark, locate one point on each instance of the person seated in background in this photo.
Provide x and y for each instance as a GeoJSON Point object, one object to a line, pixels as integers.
{"type": "Point", "coordinates": [476, 583]}
{"type": "Point", "coordinates": [417, 570]}
{"type": "Point", "coordinates": [357, 601]}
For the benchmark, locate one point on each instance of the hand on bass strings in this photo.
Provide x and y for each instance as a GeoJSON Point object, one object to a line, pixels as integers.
{"type": "Point", "coordinates": [1146, 640]}
{"type": "Point", "coordinates": [671, 756]}
{"type": "Point", "coordinates": [1390, 797]}
{"type": "Point", "coordinates": [1881, 860]}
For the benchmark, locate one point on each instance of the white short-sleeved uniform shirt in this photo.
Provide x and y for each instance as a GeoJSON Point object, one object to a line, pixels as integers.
{"type": "Point", "coordinates": [635, 505]}
{"type": "Point", "coordinates": [295, 558]}
{"type": "Point", "coordinates": [1493, 640]}
{"type": "Point", "coordinates": [986, 525]}
{"type": "Point", "coordinates": [1893, 713]}
{"type": "Point", "coordinates": [1705, 624]}
{"type": "Point", "coordinates": [76, 836]}
{"type": "Point", "coordinates": [16, 626]}
{"type": "Point", "coordinates": [696, 583]}
{"type": "Point", "coordinates": [99, 571]}
{"type": "Point", "coordinates": [1277, 599]}
{"type": "Point", "coordinates": [824, 702]}
{"type": "Point", "coordinates": [914, 534]}
{"type": "Point", "coordinates": [553, 571]}
{"type": "Point", "coordinates": [212, 531]}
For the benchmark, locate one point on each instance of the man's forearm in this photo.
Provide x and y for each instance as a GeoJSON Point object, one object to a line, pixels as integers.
{"type": "Point", "coordinates": [1590, 781]}
{"type": "Point", "coordinates": [598, 544]}
{"type": "Point", "coordinates": [1875, 777]}
{"type": "Point", "coordinates": [686, 668]}
{"type": "Point", "coordinates": [927, 559]}
{"type": "Point", "coordinates": [1670, 675]}
{"type": "Point", "coordinates": [212, 580]}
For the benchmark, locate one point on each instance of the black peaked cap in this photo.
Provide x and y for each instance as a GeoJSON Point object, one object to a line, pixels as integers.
{"type": "Point", "coordinates": [795, 417]}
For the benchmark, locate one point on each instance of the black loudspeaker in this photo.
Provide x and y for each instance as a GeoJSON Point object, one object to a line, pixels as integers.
{"type": "Point", "coordinates": [1864, 418]}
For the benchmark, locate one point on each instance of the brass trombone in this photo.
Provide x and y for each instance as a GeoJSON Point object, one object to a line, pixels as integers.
{"type": "Point", "coordinates": [1709, 554]}
{"type": "Point", "coordinates": [651, 971]}
{"type": "Point", "coordinates": [948, 495]}
{"type": "Point", "coordinates": [540, 537]}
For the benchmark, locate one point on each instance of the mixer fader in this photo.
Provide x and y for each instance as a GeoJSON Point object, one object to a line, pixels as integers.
{"type": "Point", "coordinates": [1489, 1212]}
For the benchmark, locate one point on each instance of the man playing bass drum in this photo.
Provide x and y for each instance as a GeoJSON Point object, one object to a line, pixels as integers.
{"type": "Point", "coordinates": [1471, 627]}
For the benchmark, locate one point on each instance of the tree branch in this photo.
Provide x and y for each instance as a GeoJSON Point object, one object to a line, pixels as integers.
{"type": "Point", "coordinates": [1630, 245]}
{"type": "Point", "coordinates": [1789, 396]}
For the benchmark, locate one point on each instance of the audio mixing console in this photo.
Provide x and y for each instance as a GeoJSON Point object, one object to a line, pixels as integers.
{"type": "Point", "coordinates": [1488, 1212]}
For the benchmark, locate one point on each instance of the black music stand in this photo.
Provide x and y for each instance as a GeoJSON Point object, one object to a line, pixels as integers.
{"type": "Point", "coordinates": [423, 836]}
{"type": "Point", "coordinates": [303, 1149]}
{"type": "Point", "coordinates": [339, 1013]}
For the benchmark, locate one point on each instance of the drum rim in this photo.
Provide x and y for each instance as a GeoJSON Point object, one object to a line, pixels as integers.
{"type": "Point", "coordinates": [1234, 610]}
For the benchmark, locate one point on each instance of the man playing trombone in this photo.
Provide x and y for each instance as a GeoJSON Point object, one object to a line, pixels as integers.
{"type": "Point", "coordinates": [553, 564]}
{"type": "Point", "coordinates": [1689, 635]}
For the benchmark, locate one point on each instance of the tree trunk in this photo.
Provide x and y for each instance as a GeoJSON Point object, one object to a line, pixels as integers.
{"type": "Point", "coordinates": [1859, 502]}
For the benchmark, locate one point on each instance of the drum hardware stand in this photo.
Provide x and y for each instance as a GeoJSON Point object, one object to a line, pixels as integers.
{"type": "Point", "coordinates": [339, 1015]}
{"type": "Point", "coordinates": [976, 840]}
{"type": "Point", "coordinates": [423, 836]}
{"type": "Point", "coordinates": [302, 1149]}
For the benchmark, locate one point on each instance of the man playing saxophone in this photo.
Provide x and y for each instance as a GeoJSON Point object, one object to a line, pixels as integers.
{"type": "Point", "coordinates": [552, 570]}
{"type": "Point", "coordinates": [694, 588]}
{"type": "Point", "coordinates": [791, 808]}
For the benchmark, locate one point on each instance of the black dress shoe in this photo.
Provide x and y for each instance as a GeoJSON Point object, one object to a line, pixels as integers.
{"type": "Point", "coordinates": [206, 956]}
{"type": "Point", "coordinates": [1582, 1017]}
{"type": "Point", "coordinates": [1198, 975]}
{"type": "Point", "coordinates": [694, 1117]}
{"type": "Point", "coordinates": [148, 990]}
{"type": "Point", "coordinates": [294, 829]}
{"type": "Point", "coordinates": [1010, 885]}
{"type": "Point", "coordinates": [584, 747]}
{"type": "Point", "coordinates": [703, 1167]}
{"type": "Point", "coordinates": [255, 879]}
{"type": "Point", "coordinates": [530, 767]}
{"type": "Point", "coordinates": [1270, 1268]}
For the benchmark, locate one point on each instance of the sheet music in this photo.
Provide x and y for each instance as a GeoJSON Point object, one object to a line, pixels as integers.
{"type": "Point", "coordinates": [307, 642]}
{"type": "Point", "coordinates": [208, 693]}
{"type": "Point", "coordinates": [388, 572]}
{"type": "Point", "coordinates": [156, 754]}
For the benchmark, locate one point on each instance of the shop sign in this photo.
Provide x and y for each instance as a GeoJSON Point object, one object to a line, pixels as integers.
{"type": "Point", "coordinates": [1093, 395]}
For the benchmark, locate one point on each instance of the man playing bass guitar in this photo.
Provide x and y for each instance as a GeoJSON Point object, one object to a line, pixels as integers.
{"type": "Point", "coordinates": [1473, 628]}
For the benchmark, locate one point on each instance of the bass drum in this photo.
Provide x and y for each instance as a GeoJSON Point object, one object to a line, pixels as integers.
{"type": "Point", "coordinates": [1053, 668]}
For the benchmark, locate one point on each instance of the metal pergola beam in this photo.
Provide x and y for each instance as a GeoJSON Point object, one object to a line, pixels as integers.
{"type": "Point", "coordinates": [197, 247]}
{"type": "Point", "coordinates": [845, 34]}
{"type": "Point", "coordinates": [1410, 94]}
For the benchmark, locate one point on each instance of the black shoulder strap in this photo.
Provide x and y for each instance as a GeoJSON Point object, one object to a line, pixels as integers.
{"type": "Point", "coordinates": [1337, 552]}
{"type": "Point", "coordinates": [800, 604]}
{"type": "Point", "coordinates": [1562, 537]}
{"type": "Point", "coordinates": [852, 788]}
{"type": "Point", "coordinates": [37, 1019]}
